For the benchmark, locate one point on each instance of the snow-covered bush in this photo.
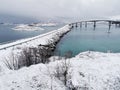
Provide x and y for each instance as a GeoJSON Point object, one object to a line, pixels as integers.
{"type": "Point", "coordinates": [29, 56]}
{"type": "Point", "coordinates": [12, 62]}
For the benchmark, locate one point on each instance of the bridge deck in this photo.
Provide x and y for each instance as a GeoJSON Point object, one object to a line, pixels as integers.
{"type": "Point", "coordinates": [95, 21]}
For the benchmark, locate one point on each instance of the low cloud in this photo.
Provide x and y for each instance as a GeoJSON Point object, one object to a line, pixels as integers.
{"type": "Point", "coordinates": [61, 8]}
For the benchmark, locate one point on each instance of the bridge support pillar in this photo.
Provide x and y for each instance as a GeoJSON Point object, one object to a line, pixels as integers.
{"type": "Point", "coordinates": [80, 24]}
{"type": "Point", "coordinates": [94, 24]}
{"type": "Point", "coordinates": [76, 25]}
{"type": "Point", "coordinates": [86, 24]}
{"type": "Point", "coordinates": [110, 25]}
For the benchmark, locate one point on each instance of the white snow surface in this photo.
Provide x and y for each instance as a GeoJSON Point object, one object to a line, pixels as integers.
{"type": "Point", "coordinates": [90, 70]}
{"type": "Point", "coordinates": [23, 27]}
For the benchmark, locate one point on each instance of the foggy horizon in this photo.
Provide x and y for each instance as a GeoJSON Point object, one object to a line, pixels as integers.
{"type": "Point", "coordinates": [82, 9]}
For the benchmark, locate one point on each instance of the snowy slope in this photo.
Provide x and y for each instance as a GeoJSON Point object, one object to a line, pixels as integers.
{"type": "Point", "coordinates": [32, 78]}
{"type": "Point", "coordinates": [86, 71]}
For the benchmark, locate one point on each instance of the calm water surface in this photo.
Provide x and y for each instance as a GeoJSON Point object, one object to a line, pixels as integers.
{"type": "Point", "coordinates": [7, 34]}
{"type": "Point", "coordinates": [84, 39]}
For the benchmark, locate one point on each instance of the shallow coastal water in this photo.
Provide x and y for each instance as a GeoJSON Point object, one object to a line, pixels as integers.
{"type": "Point", "coordinates": [7, 34]}
{"type": "Point", "coordinates": [88, 39]}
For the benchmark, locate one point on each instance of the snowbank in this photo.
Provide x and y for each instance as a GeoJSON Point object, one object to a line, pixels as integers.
{"type": "Point", "coordinates": [23, 27]}
{"type": "Point", "coordinates": [33, 78]}
{"type": "Point", "coordinates": [86, 71]}
{"type": "Point", "coordinates": [96, 71]}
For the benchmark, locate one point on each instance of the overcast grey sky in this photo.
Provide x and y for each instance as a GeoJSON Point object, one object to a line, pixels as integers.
{"type": "Point", "coordinates": [62, 8]}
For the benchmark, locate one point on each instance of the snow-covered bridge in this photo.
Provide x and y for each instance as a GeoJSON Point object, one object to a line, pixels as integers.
{"type": "Point", "coordinates": [110, 22]}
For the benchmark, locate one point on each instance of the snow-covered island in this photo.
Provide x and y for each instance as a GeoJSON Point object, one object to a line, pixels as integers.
{"type": "Point", "coordinates": [86, 71]}
{"type": "Point", "coordinates": [26, 27]}
{"type": "Point", "coordinates": [33, 26]}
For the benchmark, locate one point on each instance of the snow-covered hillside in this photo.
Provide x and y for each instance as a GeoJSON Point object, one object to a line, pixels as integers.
{"type": "Point", "coordinates": [86, 71]}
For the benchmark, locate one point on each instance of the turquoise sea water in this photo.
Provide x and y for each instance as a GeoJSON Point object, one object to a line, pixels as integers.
{"type": "Point", "coordinates": [87, 39]}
